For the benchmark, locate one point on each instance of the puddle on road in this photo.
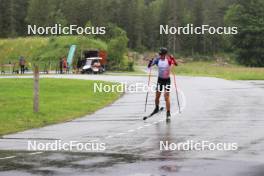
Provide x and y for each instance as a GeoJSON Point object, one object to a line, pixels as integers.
{"type": "Point", "coordinates": [49, 163]}
{"type": "Point", "coordinates": [70, 163]}
{"type": "Point", "coordinates": [4, 154]}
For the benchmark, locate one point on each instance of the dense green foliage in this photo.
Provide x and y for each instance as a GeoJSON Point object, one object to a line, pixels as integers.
{"type": "Point", "coordinates": [141, 19]}
{"type": "Point", "coordinates": [117, 47]}
{"type": "Point", "coordinates": [51, 49]}
{"type": "Point", "coordinates": [44, 48]}
{"type": "Point", "coordinates": [248, 16]}
{"type": "Point", "coordinates": [67, 99]}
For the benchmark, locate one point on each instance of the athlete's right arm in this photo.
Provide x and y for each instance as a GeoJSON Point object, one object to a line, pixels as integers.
{"type": "Point", "coordinates": [152, 62]}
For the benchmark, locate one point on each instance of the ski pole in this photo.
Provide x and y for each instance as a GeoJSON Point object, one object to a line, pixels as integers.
{"type": "Point", "coordinates": [177, 95]}
{"type": "Point", "coordinates": [146, 102]}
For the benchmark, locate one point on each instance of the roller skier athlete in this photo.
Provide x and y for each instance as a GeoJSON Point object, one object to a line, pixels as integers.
{"type": "Point", "coordinates": [164, 63]}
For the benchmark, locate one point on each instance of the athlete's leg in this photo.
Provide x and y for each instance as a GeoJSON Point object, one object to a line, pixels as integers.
{"type": "Point", "coordinates": [159, 89]}
{"type": "Point", "coordinates": [157, 99]}
{"type": "Point", "coordinates": [167, 99]}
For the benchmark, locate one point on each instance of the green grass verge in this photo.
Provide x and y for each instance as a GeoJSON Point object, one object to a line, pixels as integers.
{"type": "Point", "coordinates": [60, 100]}
{"type": "Point", "coordinates": [211, 69]}
{"type": "Point", "coordinates": [138, 71]}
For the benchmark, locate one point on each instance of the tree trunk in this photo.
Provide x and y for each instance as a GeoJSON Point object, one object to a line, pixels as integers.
{"type": "Point", "coordinates": [36, 89]}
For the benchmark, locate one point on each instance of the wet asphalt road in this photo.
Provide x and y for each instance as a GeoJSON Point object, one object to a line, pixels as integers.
{"type": "Point", "coordinates": [215, 110]}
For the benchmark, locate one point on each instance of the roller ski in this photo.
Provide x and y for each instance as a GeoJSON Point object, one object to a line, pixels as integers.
{"type": "Point", "coordinates": [156, 111]}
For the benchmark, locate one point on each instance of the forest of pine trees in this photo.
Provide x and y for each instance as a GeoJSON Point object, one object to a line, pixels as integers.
{"type": "Point", "coordinates": [141, 20]}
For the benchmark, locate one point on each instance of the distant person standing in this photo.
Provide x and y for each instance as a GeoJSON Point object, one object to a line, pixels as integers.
{"type": "Point", "coordinates": [65, 64]}
{"type": "Point", "coordinates": [61, 65]}
{"type": "Point", "coordinates": [22, 63]}
{"type": "Point", "coordinates": [79, 65]}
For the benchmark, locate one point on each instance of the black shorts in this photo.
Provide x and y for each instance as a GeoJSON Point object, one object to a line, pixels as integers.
{"type": "Point", "coordinates": [163, 84]}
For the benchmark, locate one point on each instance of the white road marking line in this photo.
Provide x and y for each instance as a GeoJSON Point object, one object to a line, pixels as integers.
{"type": "Point", "coordinates": [8, 157]}
{"type": "Point", "coordinates": [133, 130]}
{"type": "Point", "coordinates": [139, 128]}
{"type": "Point", "coordinates": [35, 153]}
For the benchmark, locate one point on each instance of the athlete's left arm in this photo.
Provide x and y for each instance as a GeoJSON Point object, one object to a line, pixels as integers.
{"type": "Point", "coordinates": [173, 60]}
